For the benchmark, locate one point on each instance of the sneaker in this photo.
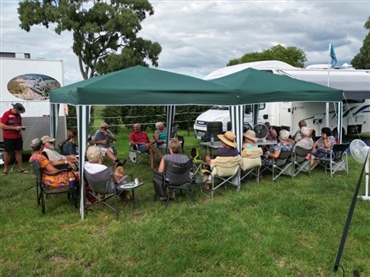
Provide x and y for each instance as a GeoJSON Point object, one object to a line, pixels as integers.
{"type": "Point", "coordinates": [120, 163]}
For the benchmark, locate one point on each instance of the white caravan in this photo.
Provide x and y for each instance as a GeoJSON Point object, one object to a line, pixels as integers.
{"type": "Point", "coordinates": [354, 83]}
{"type": "Point", "coordinates": [29, 81]}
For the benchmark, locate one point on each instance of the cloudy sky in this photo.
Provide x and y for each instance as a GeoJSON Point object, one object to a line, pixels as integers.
{"type": "Point", "coordinates": [198, 37]}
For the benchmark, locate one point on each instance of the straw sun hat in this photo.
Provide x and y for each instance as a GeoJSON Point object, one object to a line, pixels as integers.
{"type": "Point", "coordinates": [228, 138]}
{"type": "Point", "coordinates": [250, 134]}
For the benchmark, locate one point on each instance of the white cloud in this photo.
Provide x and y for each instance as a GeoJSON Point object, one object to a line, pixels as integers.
{"type": "Point", "coordinates": [198, 37]}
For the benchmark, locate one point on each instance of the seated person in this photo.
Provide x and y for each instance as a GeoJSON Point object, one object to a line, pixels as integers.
{"type": "Point", "coordinates": [272, 135]}
{"type": "Point", "coordinates": [102, 138]}
{"type": "Point", "coordinates": [284, 144]}
{"type": "Point", "coordinates": [95, 165]}
{"type": "Point", "coordinates": [297, 136]}
{"type": "Point", "coordinates": [322, 147]}
{"type": "Point", "coordinates": [174, 156]}
{"type": "Point", "coordinates": [140, 139]}
{"type": "Point", "coordinates": [306, 141]}
{"type": "Point", "coordinates": [228, 149]}
{"type": "Point", "coordinates": [250, 140]}
{"type": "Point", "coordinates": [160, 136]}
{"type": "Point", "coordinates": [54, 156]}
{"type": "Point", "coordinates": [68, 146]}
{"type": "Point", "coordinates": [60, 179]}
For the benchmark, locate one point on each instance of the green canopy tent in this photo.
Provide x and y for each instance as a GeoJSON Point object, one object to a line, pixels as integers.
{"type": "Point", "coordinates": [138, 86]}
{"type": "Point", "coordinates": [147, 86]}
{"type": "Point", "coordinates": [262, 86]}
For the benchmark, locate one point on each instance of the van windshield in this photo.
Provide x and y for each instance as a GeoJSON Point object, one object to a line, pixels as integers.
{"type": "Point", "coordinates": [223, 108]}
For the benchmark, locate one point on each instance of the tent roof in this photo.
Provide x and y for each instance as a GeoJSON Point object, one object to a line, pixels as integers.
{"type": "Point", "coordinates": [145, 86]}
{"type": "Point", "coordinates": [262, 86]}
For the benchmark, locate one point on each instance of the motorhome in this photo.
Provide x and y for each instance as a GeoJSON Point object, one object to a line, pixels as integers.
{"type": "Point", "coordinates": [29, 81]}
{"type": "Point", "coordinates": [354, 83]}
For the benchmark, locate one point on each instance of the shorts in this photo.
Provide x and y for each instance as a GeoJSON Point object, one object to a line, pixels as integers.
{"type": "Point", "coordinates": [162, 146]}
{"type": "Point", "coordinates": [141, 147]}
{"type": "Point", "coordinates": [103, 151]}
{"type": "Point", "coordinates": [320, 155]}
{"type": "Point", "coordinates": [11, 145]}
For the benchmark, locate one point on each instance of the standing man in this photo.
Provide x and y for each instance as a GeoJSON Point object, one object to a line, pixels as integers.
{"type": "Point", "coordinates": [11, 123]}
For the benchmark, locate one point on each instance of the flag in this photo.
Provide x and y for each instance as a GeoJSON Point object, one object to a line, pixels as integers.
{"type": "Point", "coordinates": [332, 55]}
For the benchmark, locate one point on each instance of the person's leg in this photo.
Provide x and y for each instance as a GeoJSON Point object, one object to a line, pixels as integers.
{"type": "Point", "coordinates": [111, 156]}
{"type": "Point", "coordinates": [156, 151]}
{"type": "Point", "coordinates": [151, 155]}
{"type": "Point", "coordinates": [18, 158]}
{"type": "Point", "coordinates": [7, 156]}
{"type": "Point", "coordinates": [8, 150]}
{"type": "Point", "coordinates": [18, 146]}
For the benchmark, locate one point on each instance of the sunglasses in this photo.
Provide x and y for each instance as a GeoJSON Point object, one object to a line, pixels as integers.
{"type": "Point", "coordinates": [104, 128]}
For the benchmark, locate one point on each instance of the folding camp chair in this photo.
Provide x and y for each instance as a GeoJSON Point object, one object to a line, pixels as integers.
{"type": "Point", "coordinates": [300, 163]}
{"type": "Point", "coordinates": [251, 163]}
{"type": "Point", "coordinates": [281, 165]}
{"type": "Point", "coordinates": [136, 156]}
{"type": "Point", "coordinates": [42, 189]}
{"type": "Point", "coordinates": [213, 129]}
{"type": "Point", "coordinates": [197, 161]}
{"type": "Point", "coordinates": [102, 187]}
{"type": "Point", "coordinates": [226, 170]}
{"type": "Point", "coordinates": [337, 160]}
{"type": "Point", "coordinates": [176, 176]}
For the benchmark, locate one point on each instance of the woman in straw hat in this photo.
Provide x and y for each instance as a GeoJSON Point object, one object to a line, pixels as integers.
{"type": "Point", "coordinates": [250, 140]}
{"type": "Point", "coordinates": [228, 149]}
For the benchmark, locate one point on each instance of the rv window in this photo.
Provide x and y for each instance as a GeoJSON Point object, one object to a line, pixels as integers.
{"type": "Point", "coordinates": [249, 108]}
{"type": "Point", "coordinates": [353, 101]}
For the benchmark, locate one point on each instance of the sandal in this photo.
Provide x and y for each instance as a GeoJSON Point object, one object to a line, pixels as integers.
{"type": "Point", "coordinates": [5, 173]}
{"type": "Point", "coordinates": [163, 198]}
{"type": "Point", "coordinates": [23, 171]}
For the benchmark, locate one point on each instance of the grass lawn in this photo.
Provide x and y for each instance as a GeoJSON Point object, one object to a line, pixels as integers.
{"type": "Point", "coordinates": [290, 227]}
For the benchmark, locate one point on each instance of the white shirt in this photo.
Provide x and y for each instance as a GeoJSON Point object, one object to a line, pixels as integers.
{"type": "Point", "coordinates": [54, 155]}
{"type": "Point", "coordinates": [94, 168]}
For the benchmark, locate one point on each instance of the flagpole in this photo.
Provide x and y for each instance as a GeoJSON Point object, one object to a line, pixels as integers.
{"type": "Point", "coordinates": [327, 106]}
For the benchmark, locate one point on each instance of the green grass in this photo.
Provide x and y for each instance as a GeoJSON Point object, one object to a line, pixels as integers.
{"type": "Point", "coordinates": [290, 227]}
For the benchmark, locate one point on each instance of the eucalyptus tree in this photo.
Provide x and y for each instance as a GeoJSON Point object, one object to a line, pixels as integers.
{"type": "Point", "coordinates": [105, 32]}
{"type": "Point", "coordinates": [291, 55]}
{"type": "Point", "coordinates": [362, 59]}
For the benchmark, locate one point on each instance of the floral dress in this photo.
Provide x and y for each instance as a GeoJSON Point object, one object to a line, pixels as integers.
{"type": "Point", "coordinates": [57, 180]}
{"type": "Point", "coordinates": [281, 147]}
{"type": "Point", "coordinates": [321, 150]}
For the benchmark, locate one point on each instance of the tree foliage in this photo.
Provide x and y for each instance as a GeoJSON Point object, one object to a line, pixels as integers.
{"type": "Point", "coordinates": [362, 59]}
{"type": "Point", "coordinates": [290, 55]}
{"type": "Point", "coordinates": [105, 33]}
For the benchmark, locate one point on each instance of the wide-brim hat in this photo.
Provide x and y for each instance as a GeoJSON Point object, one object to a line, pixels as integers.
{"type": "Point", "coordinates": [35, 143]}
{"type": "Point", "coordinates": [46, 139]}
{"type": "Point", "coordinates": [19, 107]}
{"type": "Point", "coordinates": [228, 138]}
{"type": "Point", "coordinates": [250, 134]}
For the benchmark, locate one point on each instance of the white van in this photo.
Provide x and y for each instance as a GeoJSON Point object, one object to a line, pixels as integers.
{"type": "Point", "coordinates": [222, 114]}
